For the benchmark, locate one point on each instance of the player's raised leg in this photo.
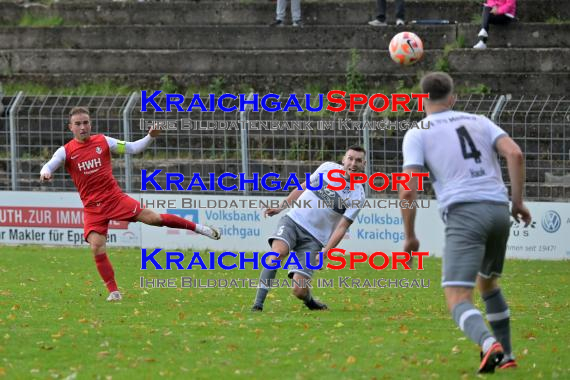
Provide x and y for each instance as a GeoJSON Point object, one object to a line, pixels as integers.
{"type": "Point", "coordinates": [168, 220]}
{"type": "Point", "coordinates": [282, 248]}
{"type": "Point", "coordinates": [98, 243]}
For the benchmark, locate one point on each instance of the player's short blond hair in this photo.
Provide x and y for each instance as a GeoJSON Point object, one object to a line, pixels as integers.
{"type": "Point", "coordinates": [77, 111]}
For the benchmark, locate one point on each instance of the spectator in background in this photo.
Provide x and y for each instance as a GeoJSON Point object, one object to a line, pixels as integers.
{"type": "Point", "coordinates": [495, 12]}
{"type": "Point", "coordinates": [295, 13]}
{"type": "Point", "coordinates": [380, 20]}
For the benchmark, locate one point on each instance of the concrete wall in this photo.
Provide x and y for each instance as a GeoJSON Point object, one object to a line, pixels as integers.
{"type": "Point", "coordinates": [262, 12]}
{"type": "Point", "coordinates": [195, 43]}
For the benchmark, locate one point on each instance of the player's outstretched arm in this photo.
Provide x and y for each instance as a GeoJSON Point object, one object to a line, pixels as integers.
{"type": "Point", "coordinates": [52, 165]}
{"type": "Point", "coordinates": [293, 196]}
{"type": "Point", "coordinates": [135, 147]}
{"type": "Point", "coordinates": [509, 149]}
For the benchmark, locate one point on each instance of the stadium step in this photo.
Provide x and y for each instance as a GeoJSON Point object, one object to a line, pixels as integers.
{"type": "Point", "coordinates": [528, 35]}
{"type": "Point", "coordinates": [306, 61]}
{"type": "Point", "coordinates": [533, 83]}
{"type": "Point", "coordinates": [262, 12]}
{"type": "Point", "coordinates": [195, 44]}
{"type": "Point", "coordinates": [217, 37]}
{"type": "Point", "coordinates": [362, 37]}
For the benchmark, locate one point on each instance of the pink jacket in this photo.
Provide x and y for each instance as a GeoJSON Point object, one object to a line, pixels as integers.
{"type": "Point", "coordinates": [505, 7]}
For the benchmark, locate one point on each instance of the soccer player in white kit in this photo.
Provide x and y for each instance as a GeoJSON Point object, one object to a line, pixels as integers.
{"type": "Point", "coordinates": [460, 151]}
{"type": "Point", "coordinates": [312, 228]}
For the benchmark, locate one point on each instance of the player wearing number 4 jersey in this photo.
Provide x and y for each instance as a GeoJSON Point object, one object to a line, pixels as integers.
{"type": "Point", "coordinates": [87, 159]}
{"type": "Point", "coordinates": [460, 151]}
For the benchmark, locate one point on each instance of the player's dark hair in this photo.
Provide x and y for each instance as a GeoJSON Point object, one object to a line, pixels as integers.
{"type": "Point", "coordinates": [356, 148]}
{"type": "Point", "coordinates": [77, 111]}
{"type": "Point", "coordinates": [438, 85]}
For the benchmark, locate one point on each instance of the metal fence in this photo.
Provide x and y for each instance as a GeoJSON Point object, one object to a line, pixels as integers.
{"type": "Point", "coordinates": [33, 127]}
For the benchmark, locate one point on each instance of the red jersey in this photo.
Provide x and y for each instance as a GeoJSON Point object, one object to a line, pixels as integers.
{"type": "Point", "coordinates": [89, 165]}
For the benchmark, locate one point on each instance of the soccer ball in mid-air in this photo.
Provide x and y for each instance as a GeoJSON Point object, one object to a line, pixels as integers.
{"type": "Point", "coordinates": [406, 48]}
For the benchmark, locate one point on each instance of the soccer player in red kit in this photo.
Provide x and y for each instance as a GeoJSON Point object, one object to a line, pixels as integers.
{"type": "Point", "coordinates": [87, 159]}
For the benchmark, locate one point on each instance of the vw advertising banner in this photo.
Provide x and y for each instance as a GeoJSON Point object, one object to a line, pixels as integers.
{"type": "Point", "coordinates": [56, 219]}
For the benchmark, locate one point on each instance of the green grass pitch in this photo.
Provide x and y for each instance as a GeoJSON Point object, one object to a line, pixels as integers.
{"type": "Point", "coordinates": [55, 323]}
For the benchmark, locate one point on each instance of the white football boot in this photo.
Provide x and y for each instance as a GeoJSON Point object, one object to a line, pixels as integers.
{"type": "Point", "coordinates": [114, 296]}
{"type": "Point", "coordinates": [209, 231]}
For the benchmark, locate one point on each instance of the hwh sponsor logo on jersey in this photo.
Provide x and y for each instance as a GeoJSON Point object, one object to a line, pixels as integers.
{"type": "Point", "coordinates": [88, 165]}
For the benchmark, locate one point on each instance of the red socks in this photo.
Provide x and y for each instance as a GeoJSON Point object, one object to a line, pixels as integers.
{"type": "Point", "coordinates": [174, 221]}
{"type": "Point", "coordinates": [106, 271]}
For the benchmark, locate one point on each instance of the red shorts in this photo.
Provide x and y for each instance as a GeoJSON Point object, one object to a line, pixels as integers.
{"type": "Point", "coordinates": [97, 218]}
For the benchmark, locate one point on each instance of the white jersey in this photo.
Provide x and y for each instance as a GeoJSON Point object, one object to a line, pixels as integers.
{"type": "Point", "coordinates": [459, 151]}
{"type": "Point", "coordinates": [321, 222]}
